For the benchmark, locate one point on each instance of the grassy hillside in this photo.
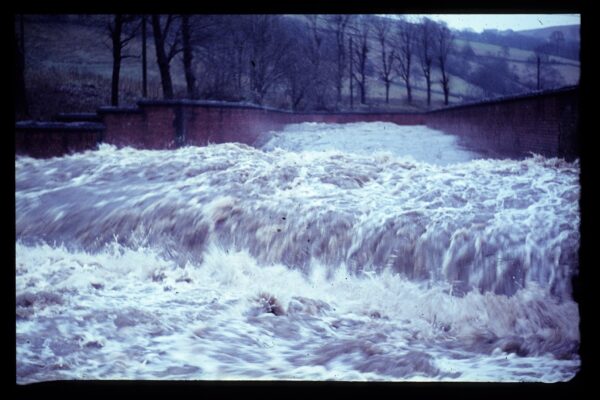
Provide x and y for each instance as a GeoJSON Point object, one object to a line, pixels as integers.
{"type": "Point", "coordinates": [523, 63]}
{"type": "Point", "coordinates": [571, 32]}
{"type": "Point", "coordinates": [69, 67]}
{"type": "Point", "coordinates": [485, 49]}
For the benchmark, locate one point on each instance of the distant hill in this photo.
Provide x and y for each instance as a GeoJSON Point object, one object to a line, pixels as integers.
{"type": "Point", "coordinates": [571, 32]}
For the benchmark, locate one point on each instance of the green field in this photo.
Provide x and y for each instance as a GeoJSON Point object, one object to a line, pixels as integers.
{"type": "Point", "coordinates": [483, 49]}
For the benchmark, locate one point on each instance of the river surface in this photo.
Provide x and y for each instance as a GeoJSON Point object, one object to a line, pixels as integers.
{"type": "Point", "coordinates": [366, 251]}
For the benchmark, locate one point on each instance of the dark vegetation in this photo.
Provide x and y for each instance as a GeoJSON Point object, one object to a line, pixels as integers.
{"type": "Point", "coordinates": [75, 63]}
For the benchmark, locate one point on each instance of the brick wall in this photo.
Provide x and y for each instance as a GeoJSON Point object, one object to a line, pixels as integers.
{"type": "Point", "coordinates": [123, 127]}
{"type": "Point", "coordinates": [545, 123]}
{"type": "Point", "coordinates": [199, 123]}
{"type": "Point", "coordinates": [147, 127]}
{"type": "Point", "coordinates": [56, 139]}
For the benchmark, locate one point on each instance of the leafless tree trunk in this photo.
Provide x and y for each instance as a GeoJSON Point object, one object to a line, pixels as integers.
{"type": "Point", "coordinates": [539, 83]}
{"type": "Point", "coordinates": [239, 45]}
{"type": "Point", "coordinates": [405, 41]}
{"type": "Point", "coordinates": [167, 43]}
{"type": "Point", "coordinates": [425, 39]}
{"type": "Point", "coordinates": [266, 55]}
{"type": "Point", "coordinates": [298, 82]}
{"type": "Point", "coordinates": [296, 87]}
{"type": "Point", "coordinates": [339, 24]}
{"type": "Point", "coordinates": [120, 36]}
{"type": "Point", "coordinates": [361, 31]}
{"type": "Point", "coordinates": [195, 33]}
{"type": "Point", "coordinates": [315, 55]}
{"type": "Point", "coordinates": [239, 70]}
{"type": "Point", "coordinates": [444, 47]}
{"type": "Point", "coordinates": [144, 60]}
{"type": "Point", "coordinates": [188, 56]}
{"type": "Point", "coordinates": [198, 49]}
{"type": "Point", "coordinates": [115, 33]}
{"type": "Point", "coordinates": [382, 32]}
{"type": "Point", "coordinates": [350, 51]}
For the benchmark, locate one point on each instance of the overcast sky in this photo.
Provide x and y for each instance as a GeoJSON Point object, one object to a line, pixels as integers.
{"type": "Point", "coordinates": [516, 22]}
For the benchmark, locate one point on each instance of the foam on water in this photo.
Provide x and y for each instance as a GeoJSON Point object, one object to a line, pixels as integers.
{"type": "Point", "coordinates": [291, 262]}
{"type": "Point", "coordinates": [366, 138]}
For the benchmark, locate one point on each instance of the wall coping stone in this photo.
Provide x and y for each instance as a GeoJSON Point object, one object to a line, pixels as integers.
{"type": "Point", "coordinates": [77, 117]}
{"type": "Point", "coordinates": [86, 119]}
{"type": "Point", "coordinates": [59, 126]}
{"type": "Point", "coordinates": [505, 99]}
{"type": "Point", "coordinates": [247, 105]}
{"type": "Point", "coordinates": [119, 110]}
{"type": "Point", "coordinates": [205, 103]}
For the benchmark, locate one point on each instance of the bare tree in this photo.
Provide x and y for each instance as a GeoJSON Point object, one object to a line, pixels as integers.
{"type": "Point", "coordinates": [297, 81]}
{"type": "Point", "coordinates": [232, 33]}
{"type": "Point", "coordinates": [339, 23]}
{"type": "Point", "coordinates": [425, 47]}
{"type": "Point", "coordinates": [122, 29]}
{"type": "Point", "coordinates": [351, 51]}
{"type": "Point", "coordinates": [221, 49]}
{"type": "Point", "coordinates": [444, 39]}
{"type": "Point", "coordinates": [360, 57]}
{"type": "Point", "coordinates": [218, 74]}
{"type": "Point", "coordinates": [314, 52]}
{"type": "Point", "coordinates": [188, 56]}
{"type": "Point", "coordinates": [266, 54]}
{"type": "Point", "coordinates": [195, 31]}
{"type": "Point", "coordinates": [320, 50]}
{"type": "Point", "coordinates": [144, 59]}
{"type": "Point", "coordinates": [405, 37]}
{"type": "Point", "coordinates": [299, 84]}
{"type": "Point", "coordinates": [167, 41]}
{"type": "Point", "coordinates": [239, 46]}
{"type": "Point", "coordinates": [383, 28]}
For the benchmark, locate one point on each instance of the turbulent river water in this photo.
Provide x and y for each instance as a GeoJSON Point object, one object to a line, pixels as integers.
{"type": "Point", "coordinates": [365, 251]}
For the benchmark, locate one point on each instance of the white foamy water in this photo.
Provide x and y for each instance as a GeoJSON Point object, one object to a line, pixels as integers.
{"type": "Point", "coordinates": [414, 142]}
{"type": "Point", "coordinates": [297, 262]}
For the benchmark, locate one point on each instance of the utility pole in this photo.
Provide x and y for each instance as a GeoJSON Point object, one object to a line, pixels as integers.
{"type": "Point", "coordinates": [351, 76]}
{"type": "Point", "coordinates": [539, 86]}
{"type": "Point", "coordinates": [144, 60]}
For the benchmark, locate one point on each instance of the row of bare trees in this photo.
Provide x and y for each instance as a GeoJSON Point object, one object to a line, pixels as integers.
{"type": "Point", "coordinates": [299, 61]}
{"type": "Point", "coordinates": [401, 44]}
{"type": "Point", "coordinates": [171, 35]}
{"type": "Point", "coordinates": [306, 60]}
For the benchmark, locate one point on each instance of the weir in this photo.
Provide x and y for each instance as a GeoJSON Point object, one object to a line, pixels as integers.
{"type": "Point", "coordinates": [337, 249]}
{"type": "Point", "coordinates": [296, 262]}
{"type": "Point", "coordinates": [330, 251]}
